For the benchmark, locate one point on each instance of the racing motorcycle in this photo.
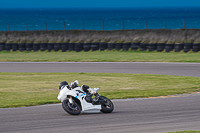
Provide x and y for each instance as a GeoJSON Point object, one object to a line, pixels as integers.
{"type": "Point", "coordinates": [75, 100]}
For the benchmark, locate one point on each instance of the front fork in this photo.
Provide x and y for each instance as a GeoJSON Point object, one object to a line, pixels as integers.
{"type": "Point", "coordinates": [70, 100]}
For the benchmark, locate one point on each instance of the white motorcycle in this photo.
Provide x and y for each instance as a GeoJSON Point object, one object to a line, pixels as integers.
{"type": "Point", "coordinates": [75, 100]}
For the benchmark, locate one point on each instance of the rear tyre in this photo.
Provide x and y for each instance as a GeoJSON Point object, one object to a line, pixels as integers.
{"type": "Point", "coordinates": [71, 108]}
{"type": "Point", "coordinates": [106, 106]}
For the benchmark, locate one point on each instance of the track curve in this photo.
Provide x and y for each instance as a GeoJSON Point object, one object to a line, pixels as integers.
{"type": "Point", "coordinates": [159, 115]}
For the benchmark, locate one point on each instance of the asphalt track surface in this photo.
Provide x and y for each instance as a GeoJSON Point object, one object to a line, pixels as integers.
{"type": "Point", "coordinates": [142, 115]}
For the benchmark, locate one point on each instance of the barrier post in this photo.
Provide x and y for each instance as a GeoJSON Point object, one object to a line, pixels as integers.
{"type": "Point", "coordinates": [145, 24]}
{"type": "Point", "coordinates": [102, 25]}
{"type": "Point", "coordinates": [26, 26]}
{"type": "Point", "coordinates": [64, 26]}
{"type": "Point", "coordinates": [45, 25]}
{"type": "Point", "coordinates": [8, 27]}
{"type": "Point", "coordinates": [123, 24]}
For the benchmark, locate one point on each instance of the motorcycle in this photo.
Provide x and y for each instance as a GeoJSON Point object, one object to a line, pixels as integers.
{"type": "Point", "coordinates": [75, 100]}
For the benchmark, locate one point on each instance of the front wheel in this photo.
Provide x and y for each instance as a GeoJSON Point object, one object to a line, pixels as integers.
{"type": "Point", "coordinates": [107, 105]}
{"type": "Point", "coordinates": [71, 108]}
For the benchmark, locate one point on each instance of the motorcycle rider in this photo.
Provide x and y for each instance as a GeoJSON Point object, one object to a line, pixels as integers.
{"type": "Point", "coordinates": [74, 84]}
{"type": "Point", "coordinates": [89, 91]}
{"type": "Point", "coordinates": [76, 99]}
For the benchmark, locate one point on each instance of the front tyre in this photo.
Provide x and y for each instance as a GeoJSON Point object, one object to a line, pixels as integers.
{"type": "Point", "coordinates": [71, 108]}
{"type": "Point", "coordinates": [107, 105]}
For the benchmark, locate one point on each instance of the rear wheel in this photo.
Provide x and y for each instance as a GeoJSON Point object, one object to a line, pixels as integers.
{"type": "Point", "coordinates": [71, 108]}
{"type": "Point", "coordinates": [107, 105]}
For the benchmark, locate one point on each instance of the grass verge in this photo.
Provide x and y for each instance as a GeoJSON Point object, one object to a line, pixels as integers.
{"type": "Point", "coordinates": [28, 89]}
{"type": "Point", "coordinates": [99, 56]}
{"type": "Point", "coordinates": [186, 132]}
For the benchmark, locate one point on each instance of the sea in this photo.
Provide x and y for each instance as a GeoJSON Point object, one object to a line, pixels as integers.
{"type": "Point", "coordinates": [99, 18]}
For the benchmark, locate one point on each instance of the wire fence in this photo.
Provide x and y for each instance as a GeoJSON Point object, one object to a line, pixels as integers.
{"type": "Point", "coordinates": [121, 25]}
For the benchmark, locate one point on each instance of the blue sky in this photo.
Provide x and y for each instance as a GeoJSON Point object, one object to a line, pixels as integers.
{"type": "Point", "coordinates": [96, 3]}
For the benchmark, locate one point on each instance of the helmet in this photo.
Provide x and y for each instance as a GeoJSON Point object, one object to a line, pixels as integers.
{"type": "Point", "coordinates": [85, 88]}
{"type": "Point", "coordinates": [62, 83]}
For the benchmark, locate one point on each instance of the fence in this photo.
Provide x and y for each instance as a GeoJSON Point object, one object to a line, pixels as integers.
{"type": "Point", "coordinates": [103, 25]}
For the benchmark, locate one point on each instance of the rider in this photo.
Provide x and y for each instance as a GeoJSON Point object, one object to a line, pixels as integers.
{"type": "Point", "coordinates": [74, 84]}
{"type": "Point", "coordinates": [89, 93]}
{"type": "Point", "coordinates": [87, 89]}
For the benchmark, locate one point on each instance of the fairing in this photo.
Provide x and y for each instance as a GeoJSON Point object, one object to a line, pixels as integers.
{"type": "Point", "coordinates": [80, 95]}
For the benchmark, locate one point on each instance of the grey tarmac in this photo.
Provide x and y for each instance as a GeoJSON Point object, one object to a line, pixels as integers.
{"type": "Point", "coordinates": [182, 69]}
{"type": "Point", "coordinates": [141, 115]}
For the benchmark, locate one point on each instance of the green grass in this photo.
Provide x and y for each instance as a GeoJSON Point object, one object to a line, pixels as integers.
{"type": "Point", "coordinates": [99, 56]}
{"type": "Point", "coordinates": [186, 132]}
{"type": "Point", "coordinates": [27, 89]}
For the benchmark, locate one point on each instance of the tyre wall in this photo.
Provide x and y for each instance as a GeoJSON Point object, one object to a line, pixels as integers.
{"type": "Point", "coordinates": [64, 47]}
